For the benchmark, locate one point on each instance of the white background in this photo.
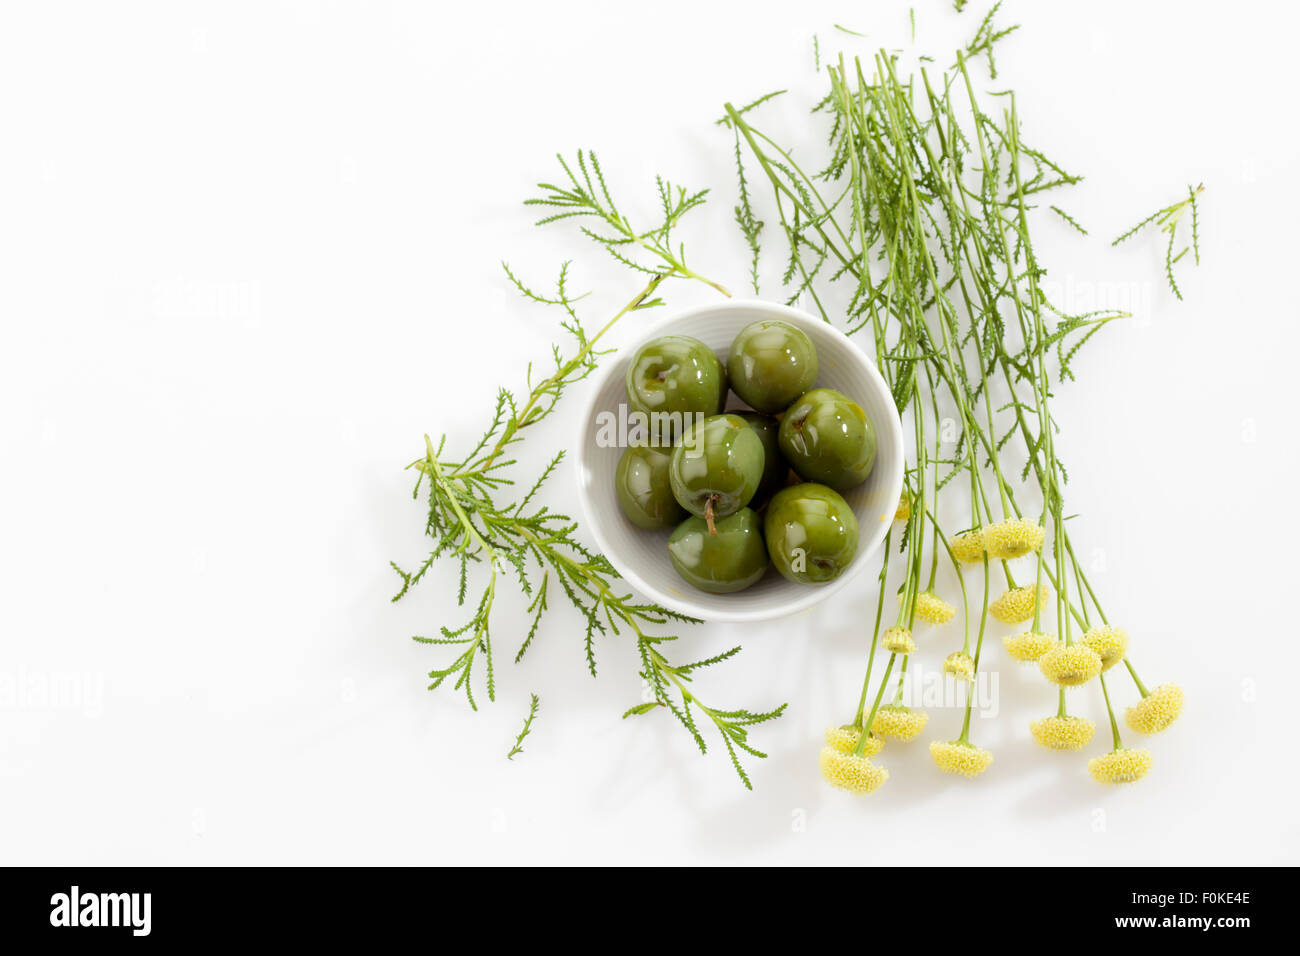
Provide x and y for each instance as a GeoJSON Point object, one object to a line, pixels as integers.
{"type": "Point", "coordinates": [249, 254]}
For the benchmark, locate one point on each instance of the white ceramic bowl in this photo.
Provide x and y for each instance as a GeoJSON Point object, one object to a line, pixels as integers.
{"type": "Point", "coordinates": [641, 557]}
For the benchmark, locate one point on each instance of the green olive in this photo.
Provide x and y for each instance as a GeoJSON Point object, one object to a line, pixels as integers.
{"type": "Point", "coordinates": [672, 379]}
{"type": "Point", "coordinates": [771, 363]}
{"type": "Point", "coordinates": [730, 559]}
{"type": "Point", "coordinates": [828, 438]}
{"type": "Point", "coordinates": [716, 467]}
{"type": "Point", "coordinates": [644, 492]}
{"type": "Point", "coordinates": [811, 532]}
{"type": "Point", "coordinates": [775, 468]}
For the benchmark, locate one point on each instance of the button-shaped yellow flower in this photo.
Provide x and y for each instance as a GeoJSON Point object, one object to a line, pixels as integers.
{"type": "Point", "coordinates": [1012, 538]}
{"type": "Point", "coordinates": [1029, 646]}
{"type": "Point", "coordinates": [849, 772]}
{"type": "Point", "coordinates": [932, 608]}
{"type": "Point", "coordinates": [904, 508]}
{"type": "Point", "coordinates": [1110, 643]}
{"type": "Point", "coordinates": [968, 546]}
{"type": "Point", "coordinates": [1157, 710]}
{"type": "Point", "coordinates": [845, 740]}
{"type": "Point", "coordinates": [965, 759]}
{"type": "Point", "coordinates": [1017, 604]}
{"type": "Point", "coordinates": [1063, 733]}
{"type": "Point", "coordinates": [1120, 766]}
{"type": "Point", "coordinates": [898, 640]}
{"type": "Point", "coordinates": [960, 665]}
{"type": "Point", "coordinates": [899, 722]}
{"type": "Point", "coordinates": [1070, 666]}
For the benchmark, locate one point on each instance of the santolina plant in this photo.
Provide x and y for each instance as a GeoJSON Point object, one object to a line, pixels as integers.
{"type": "Point", "coordinates": [920, 212]}
{"type": "Point", "coordinates": [912, 232]}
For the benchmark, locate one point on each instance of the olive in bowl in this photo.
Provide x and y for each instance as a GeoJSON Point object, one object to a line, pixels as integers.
{"type": "Point", "coordinates": [828, 438]}
{"type": "Point", "coordinates": [811, 532]}
{"type": "Point", "coordinates": [716, 467]}
{"type": "Point", "coordinates": [644, 491]}
{"type": "Point", "coordinates": [726, 559]}
{"type": "Point", "coordinates": [770, 364]}
{"type": "Point", "coordinates": [672, 379]}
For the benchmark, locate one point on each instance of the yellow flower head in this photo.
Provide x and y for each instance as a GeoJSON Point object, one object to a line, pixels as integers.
{"type": "Point", "coordinates": [1012, 538]}
{"type": "Point", "coordinates": [851, 773]}
{"type": "Point", "coordinates": [965, 759]}
{"type": "Point", "coordinates": [1070, 666]}
{"type": "Point", "coordinates": [1110, 643]}
{"type": "Point", "coordinates": [904, 508]}
{"type": "Point", "coordinates": [932, 608]}
{"type": "Point", "coordinates": [898, 640]}
{"type": "Point", "coordinates": [1017, 604]}
{"type": "Point", "coordinates": [1120, 766]}
{"type": "Point", "coordinates": [1029, 646]}
{"type": "Point", "coordinates": [1063, 733]}
{"type": "Point", "coordinates": [1157, 710]}
{"type": "Point", "coordinates": [901, 723]}
{"type": "Point", "coordinates": [968, 546]}
{"type": "Point", "coordinates": [960, 665]}
{"type": "Point", "coordinates": [845, 740]}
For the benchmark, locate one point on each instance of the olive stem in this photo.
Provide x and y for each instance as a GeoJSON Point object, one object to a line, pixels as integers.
{"type": "Point", "coordinates": [708, 513]}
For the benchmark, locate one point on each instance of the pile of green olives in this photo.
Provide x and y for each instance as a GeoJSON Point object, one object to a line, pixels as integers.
{"type": "Point", "coordinates": [750, 488]}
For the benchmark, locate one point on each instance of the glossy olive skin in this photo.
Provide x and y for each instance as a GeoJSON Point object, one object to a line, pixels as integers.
{"type": "Point", "coordinates": [775, 468]}
{"type": "Point", "coordinates": [827, 438]}
{"type": "Point", "coordinates": [811, 533]}
{"type": "Point", "coordinates": [675, 375]}
{"type": "Point", "coordinates": [731, 560]}
{"type": "Point", "coordinates": [771, 363]}
{"type": "Point", "coordinates": [644, 492]}
{"type": "Point", "coordinates": [717, 463]}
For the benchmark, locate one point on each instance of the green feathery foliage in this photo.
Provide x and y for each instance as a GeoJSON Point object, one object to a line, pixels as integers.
{"type": "Point", "coordinates": [587, 197]}
{"type": "Point", "coordinates": [751, 227]}
{"type": "Point", "coordinates": [986, 36]}
{"type": "Point", "coordinates": [922, 210]}
{"type": "Point", "coordinates": [1069, 219]}
{"type": "Point", "coordinates": [1167, 219]}
{"type": "Point", "coordinates": [493, 540]}
{"type": "Point", "coordinates": [527, 729]}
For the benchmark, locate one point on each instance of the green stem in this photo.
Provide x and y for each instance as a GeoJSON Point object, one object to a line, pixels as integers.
{"type": "Point", "coordinates": [866, 728]}
{"type": "Point", "coordinates": [875, 633]}
{"type": "Point", "coordinates": [1114, 724]}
